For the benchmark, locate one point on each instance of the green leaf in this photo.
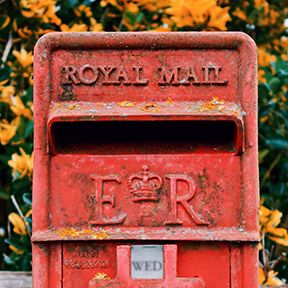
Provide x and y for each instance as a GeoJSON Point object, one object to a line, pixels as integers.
{"type": "Point", "coordinates": [278, 143]}
{"type": "Point", "coordinates": [5, 158]}
{"type": "Point", "coordinates": [140, 17]}
{"type": "Point", "coordinates": [72, 3]}
{"type": "Point", "coordinates": [273, 64]}
{"type": "Point", "coordinates": [274, 84]}
{"type": "Point", "coordinates": [20, 130]}
{"type": "Point", "coordinates": [4, 194]}
{"type": "Point", "coordinates": [16, 243]}
{"type": "Point", "coordinates": [29, 129]}
{"type": "Point", "coordinates": [5, 73]}
{"type": "Point", "coordinates": [263, 90]}
{"type": "Point", "coordinates": [29, 220]}
{"type": "Point", "coordinates": [27, 198]}
{"type": "Point", "coordinates": [8, 260]}
{"type": "Point", "coordinates": [262, 154]}
{"type": "Point", "coordinates": [283, 73]}
{"type": "Point", "coordinates": [280, 64]}
{"type": "Point", "coordinates": [28, 95]}
{"type": "Point", "coordinates": [21, 183]}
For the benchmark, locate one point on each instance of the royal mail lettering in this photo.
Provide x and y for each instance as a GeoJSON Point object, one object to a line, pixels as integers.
{"type": "Point", "coordinates": [138, 79]}
{"type": "Point", "coordinates": [106, 72]}
{"type": "Point", "coordinates": [165, 78]}
{"type": "Point", "coordinates": [86, 80]}
{"type": "Point", "coordinates": [216, 81]}
{"type": "Point", "coordinates": [117, 75]}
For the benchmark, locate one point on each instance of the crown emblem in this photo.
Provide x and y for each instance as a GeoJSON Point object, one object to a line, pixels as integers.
{"type": "Point", "coordinates": [145, 187]}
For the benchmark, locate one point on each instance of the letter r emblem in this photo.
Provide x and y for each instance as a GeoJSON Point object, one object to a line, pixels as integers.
{"type": "Point", "coordinates": [175, 199]}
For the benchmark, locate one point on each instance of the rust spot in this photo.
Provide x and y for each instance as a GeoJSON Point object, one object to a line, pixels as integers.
{"type": "Point", "coordinates": [235, 112]}
{"type": "Point", "coordinates": [101, 104]}
{"type": "Point", "coordinates": [169, 101]}
{"type": "Point", "coordinates": [68, 232]}
{"type": "Point", "coordinates": [150, 107]}
{"type": "Point", "coordinates": [67, 94]}
{"type": "Point", "coordinates": [74, 233]}
{"type": "Point", "coordinates": [126, 103]}
{"type": "Point", "coordinates": [214, 105]}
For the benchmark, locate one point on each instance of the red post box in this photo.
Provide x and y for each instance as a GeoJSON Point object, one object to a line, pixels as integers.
{"type": "Point", "coordinates": [145, 161]}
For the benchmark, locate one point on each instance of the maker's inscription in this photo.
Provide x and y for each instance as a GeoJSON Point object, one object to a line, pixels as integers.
{"type": "Point", "coordinates": [85, 253]}
{"type": "Point", "coordinates": [117, 75]}
{"type": "Point", "coordinates": [89, 264]}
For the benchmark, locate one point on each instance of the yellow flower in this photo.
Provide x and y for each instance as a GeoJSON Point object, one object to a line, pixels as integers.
{"type": "Point", "coordinates": [41, 9]}
{"type": "Point", "coordinates": [18, 223]}
{"type": "Point", "coordinates": [6, 92]}
{"type": "Point", "coordinates": [114, 3]}
{"type": "Point", "coordinates": [50, 13]}
{"type": "Point", "coordinates": [94, 26]}
{"type": "Point", "coordinates": [19, 109]}
{"type": "Point", "coordinates": [269, 220]}
{"type": "Point", "coordinates": [261, 76]}
{"type": "Point", "coordinates": [25, 32]}
{"type": "Point", "coordinates": [201, 14]}
{"type": "Point", "coordinates": [262, 5]}
{"type": "Point", "coordinates": [85, 9]}
{"type": "Point", "coordinates": [19, 227]}
{"type": "Point", "coordinates": [22, 163]}
{"type": "Point", "coordinates": [17, 251]}
{"type": "Point", "coordinates": [75, 28]}
{"type": "Point", "coordinates": [219, 17]}
{"type": "Point", "coordinates": [153, 5]}
{"type": "Point", "coordinates": [28, 214]}
{"type": "Point", "coordinates": [264, 57]}
{"type": "Point", "coordinates": [23, 57]}
{"type": "Point", "coordinates": [240, 14]}
{"type": "Point", "coordinates": [272, 279]}
{"type": "Point", "coordinates": [4, 82]}
{"type": "Point", "coordinates": [132, 8]}
{"type": "Point", "coordinates": [7, 131]}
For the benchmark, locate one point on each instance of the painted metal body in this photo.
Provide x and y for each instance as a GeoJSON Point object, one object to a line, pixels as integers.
{"type": "Point", "coordinates": [145, 138]}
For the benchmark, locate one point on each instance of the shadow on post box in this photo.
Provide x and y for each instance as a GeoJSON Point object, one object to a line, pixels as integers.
{"type": "Point", "coordinates": [145, 161]}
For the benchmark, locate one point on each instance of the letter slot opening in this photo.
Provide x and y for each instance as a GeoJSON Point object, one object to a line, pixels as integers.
{"type": "Point", "coordinates": [143, 137]}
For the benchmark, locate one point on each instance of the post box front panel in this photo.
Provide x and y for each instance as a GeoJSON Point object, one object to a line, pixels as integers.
{"type": "Point", "coordinates": [209, 185]}
{"type": "Point", "coordinates": [145, 139]}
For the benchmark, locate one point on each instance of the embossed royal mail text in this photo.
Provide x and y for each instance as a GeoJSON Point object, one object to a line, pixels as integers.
{"type": "Point", "coordinates": [121, 75]}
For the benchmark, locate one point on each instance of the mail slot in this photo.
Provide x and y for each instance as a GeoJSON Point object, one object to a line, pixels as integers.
{"type": "Point", "coordinates": [145, 161]}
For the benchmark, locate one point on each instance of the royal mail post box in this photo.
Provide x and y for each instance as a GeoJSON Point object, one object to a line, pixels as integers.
{"type": "Point", "coordinates": [145, 161]}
